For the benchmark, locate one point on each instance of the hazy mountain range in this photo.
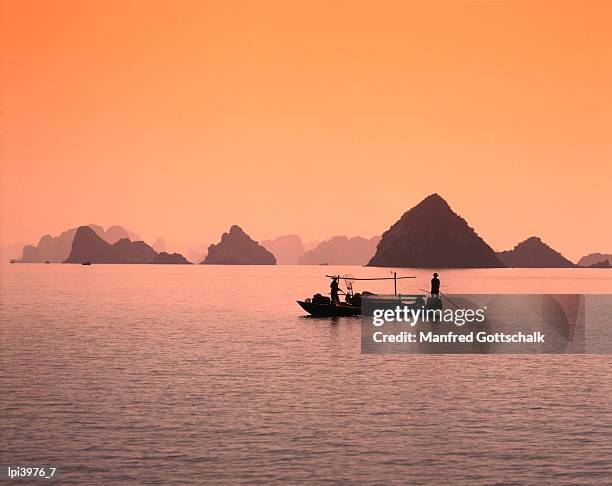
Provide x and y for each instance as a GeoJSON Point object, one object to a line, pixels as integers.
{"type": "Point", "coordinates": [55, 249]}
{"type": "Point", "coordinates": [13, 251]}
{"type": "Point", "coordinates": [341, 250]}
{"type": "Point", "coordinates": [430, 235]}
{"type": "Point", "coordinates": [338, 250]}
{"type": "Point", "coordinates": [287, 248]}
{"type": "Point", "coordinates": [596, 260]}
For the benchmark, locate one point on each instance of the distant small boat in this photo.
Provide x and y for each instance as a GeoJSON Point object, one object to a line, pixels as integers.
{"type": "Point", "coordinates": [86, 263]}
{"type": "Point", "coordinates": [47, 261]}
{"type": "Point", "coordinates": [324, 264]}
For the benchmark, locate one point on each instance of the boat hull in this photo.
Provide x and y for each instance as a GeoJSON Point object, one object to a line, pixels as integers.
{"type": "Point", "coordinates": [330, 310]}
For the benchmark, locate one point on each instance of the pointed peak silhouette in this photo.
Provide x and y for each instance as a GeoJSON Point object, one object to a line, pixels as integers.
{"type": "Point", "coordinates": [432, 235]}
{"type": "Point", "coordinates": [87, 232]}
{"type": "Point", "coordinates": [434, 198]}
{"type": "Point", "coordinates": [238, 248]}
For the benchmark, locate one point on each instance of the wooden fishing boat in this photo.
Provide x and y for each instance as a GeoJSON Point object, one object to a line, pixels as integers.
{"type": "Point", "coordinates": [321, 306]}
{"type": "Point", "coordinates": [329, 310]}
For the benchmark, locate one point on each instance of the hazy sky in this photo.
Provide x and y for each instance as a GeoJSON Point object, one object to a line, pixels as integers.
{"type": "Point", "coordinates": [181, 118]}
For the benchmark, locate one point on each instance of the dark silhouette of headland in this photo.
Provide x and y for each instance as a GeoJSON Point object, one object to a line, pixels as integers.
{"type": "Point", "coordinates": [237, 248]}
{"type": "Point", "coordinates": [534, 253]}
{"type": "Point", "coordinates": [56, 249]}
{"type": "Point", "coordinates": [432, 235]}
{"type": "Point", "coordinates": [89, 247]}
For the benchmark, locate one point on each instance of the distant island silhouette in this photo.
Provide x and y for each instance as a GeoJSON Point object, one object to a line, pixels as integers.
{"type": "Point", "coordinates": [159, 245]}
{"type": "Point", "coordinates": [195, 256]}
{"type": "Point", "coordinates": [341, 250]}
{"type": "Point", "coordinates": [310, 245]}
{"type": "Point", "coordinates": [115, 232]}
{"type": "Point", "coordinates": [534, 253]}
{"type": "Point", "coordinates": [604, 264]}
{"type": "Point", "coordinates": [88, 246]}
{"type": "Point", "coordinates": [237, 248]}
{"type": "Point", "coordinates": [596, 260]}
{"type": "Point", "coordinates": [432, 235]}
{"type": "Point", "coordinates": [287, 249]}
{"type": "Point", "coordinates": [170, 258]}
{"type": "Point", "coordinates": [56, 249]}
{"type": "Point", "coordinates": [12, 252]}
{"type": "Point", "coordinates": [338, 250]}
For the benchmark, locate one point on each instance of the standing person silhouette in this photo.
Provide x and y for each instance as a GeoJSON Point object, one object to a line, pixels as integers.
{"type": "Point", "coordinates": [334, 290]}
{"type": "Point", "coordinates": [435, 286]}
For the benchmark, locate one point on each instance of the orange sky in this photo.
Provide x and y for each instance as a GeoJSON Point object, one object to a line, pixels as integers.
{"type": "Point", "coordinates": [181, 118]}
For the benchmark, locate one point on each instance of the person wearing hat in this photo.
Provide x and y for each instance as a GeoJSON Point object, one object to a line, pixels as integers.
{"type": "Point", "coordinates": [435, 286]}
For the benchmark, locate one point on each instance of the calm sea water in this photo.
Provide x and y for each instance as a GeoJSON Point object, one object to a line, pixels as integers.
{"type": "Point", "coordinates": [203, 374]}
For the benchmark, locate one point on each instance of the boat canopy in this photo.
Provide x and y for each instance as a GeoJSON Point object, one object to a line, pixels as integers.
{"type": "Point", "coordinates": [349, 279]}
{"type": "Point", "coordinates": [371, 278]}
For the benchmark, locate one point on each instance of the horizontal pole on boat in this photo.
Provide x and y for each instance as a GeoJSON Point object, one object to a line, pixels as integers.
{"type": "Point", "coordinates": [379, 278]}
